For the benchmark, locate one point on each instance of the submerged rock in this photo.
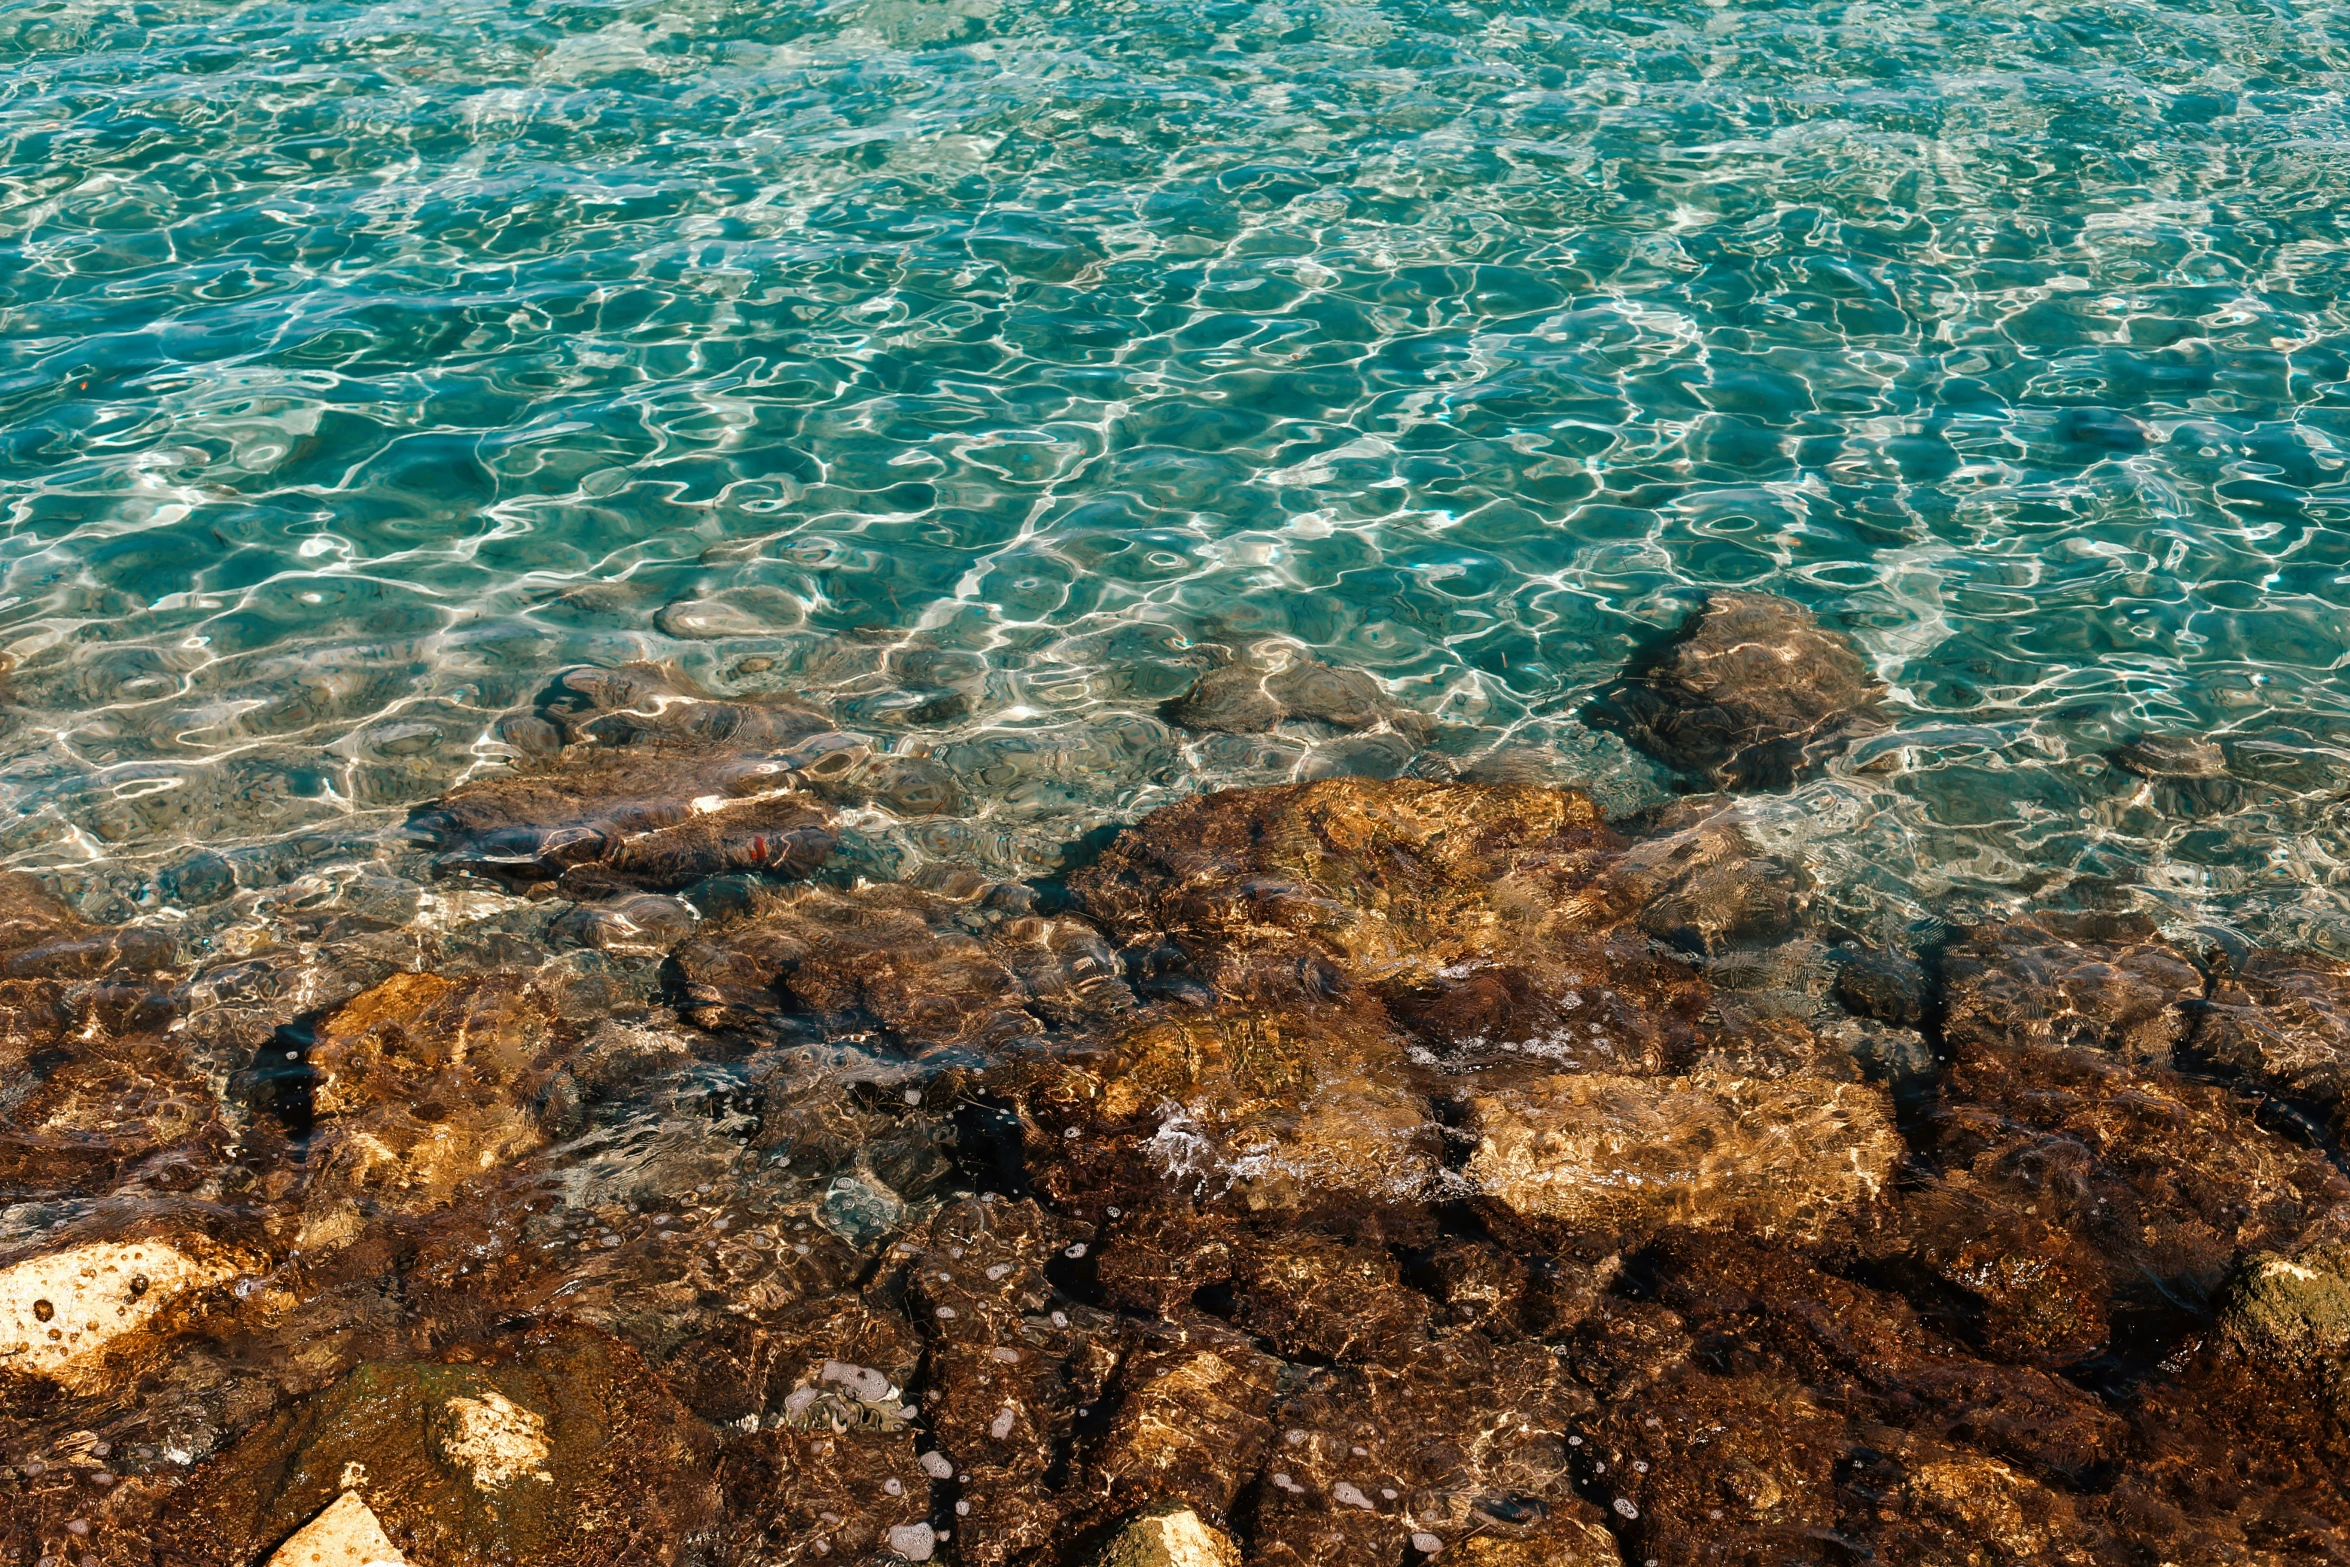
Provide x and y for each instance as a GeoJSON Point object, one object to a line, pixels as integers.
{"type": "Point", "coordinates": [422, 1084]}
{"type": "Point", "coordinates": [1752, 692]}
{"type": "Point", "coordinates": [657, 705]}
{"type": "Point", "coordinates": [88, 1111]}
{"type": "Point", "coordinates": [2042, 982]}
{"type": "Point", "coordinates": [1189, 1423]}
{"type": "Point", "coordinates": [622, 819]}
{"type": "Point", "coordinates": [2283, 1022]}
{"type": "Point", "coordinates": [1361, 1172]}
{"type": "Point", "coordinates": [41, 937]}
{"type": "Point", "coordinates": [2165, 1180]}
{"type": "Point", "coordinates": [1607, 1155]}
{"type": "Point", "coordinates": [564, 1450]}
{"type": "Point", "coordinates": [1253, 694]}
{"type": "Point", "coordinates": [923, 968]}
{"type": "Point", "coordinates": [2186, 776]}
{"type": "Point", "coordinates": [1489, 917]}
{"type": "Point", "coordinates": [1273, 1107]}
{"type": "Point", "coordinates": [2171, 756]}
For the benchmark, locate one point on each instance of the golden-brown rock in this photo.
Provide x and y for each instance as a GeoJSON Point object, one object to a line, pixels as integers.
{"type": "Point", "coordinates": [1273, 1107]}
{"type": "Point", "coordinates": [1609, 1154]}
{"type": "Point", "coordinates": [1171, 1539]}
{"type": "Point", "coordinates": [421, 1084]}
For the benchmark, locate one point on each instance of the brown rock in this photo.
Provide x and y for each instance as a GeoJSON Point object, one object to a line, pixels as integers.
{"type": "Point", "coordinates": [1606, 1154]}
{"type": "Point", "coordinates": [1584, 1542]}
{"type": "Point", "coordinates": [1750, 1308]}
{"type": "Point", "coordinates": [2117, 989]}
{"type": "Point", "coordinates": [1449, 1438]}
{"type": "Point", "coordinates": [2166, 1180]}
{"type": "Point", "coordinates": [1981, 1512]}
{"type": "Point", "coordinates": [565, 1451]}
{"type": "Point", "coordinates": [422, 1084]}
{"type": "Point", "coordinates": [90, 1112]}
{"type": "Point", "coordinates": [1752, 692]}
{"type": "Point", "coordinates": [1491, 917]}
{"type": "Point", "coordinates": [1271, 1108]}
{"type": "Point", "coordinates": [636, 817]}
{"type": "Point", "coordinates": [1187, 1425]}
{"type": "Point", "coordinates": [1718, 1468]}
{"type": "Point", "coordinates": [924, 969]}
{"type": "Point", "coordinates": [2283, 1021]}
{"type": "Point", "coordinates": [1374, 882]}
{"type": "Point", "coordinates": [798, 1497]}
{"type": "Point", "coordinates": [1314, 1299]}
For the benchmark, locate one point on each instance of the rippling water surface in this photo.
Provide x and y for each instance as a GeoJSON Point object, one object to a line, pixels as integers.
{"type": "Point", "coordinates": [983, 365]}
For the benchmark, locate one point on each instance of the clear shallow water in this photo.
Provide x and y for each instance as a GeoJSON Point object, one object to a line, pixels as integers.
{"type": "Point", "coordinates": [363, 365]}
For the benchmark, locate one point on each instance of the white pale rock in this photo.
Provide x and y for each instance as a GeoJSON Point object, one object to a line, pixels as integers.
{"type": "Point", "coordinates": [347, 1534]}
{"type": "Point", "coordinates": [497, 1439]}
{"type": "Point", "coordinates": [913, 1541]}
{"type": "Point", "coordinates": [59, 1312]}
{"type": "Point", "coordinates": [1177, 1539]}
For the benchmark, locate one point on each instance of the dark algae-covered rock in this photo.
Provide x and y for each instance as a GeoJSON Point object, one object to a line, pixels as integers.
{"type": "Point", "coordinates": [1752, 693]}
{"type": "Point", "coordinates": [1329, 1173]}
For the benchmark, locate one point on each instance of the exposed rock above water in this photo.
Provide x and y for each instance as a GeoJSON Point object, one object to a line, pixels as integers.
{"type": "Point", "coordinates": [1751, 693]}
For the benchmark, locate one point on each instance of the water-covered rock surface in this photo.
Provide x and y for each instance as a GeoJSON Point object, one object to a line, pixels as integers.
{"type": "Point", "coordinates": [1146, 785]}
{"type": "Point", "coordinates": [1342, 1171]}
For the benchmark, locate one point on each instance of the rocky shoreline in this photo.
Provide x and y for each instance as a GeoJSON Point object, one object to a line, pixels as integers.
{"type": "Point", "coordinates": [1351, 1171]}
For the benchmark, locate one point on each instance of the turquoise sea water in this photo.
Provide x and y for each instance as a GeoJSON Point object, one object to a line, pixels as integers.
{"type": "Point", "coordinates": [975, 365]}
